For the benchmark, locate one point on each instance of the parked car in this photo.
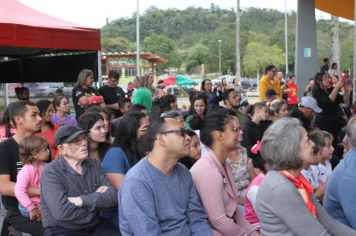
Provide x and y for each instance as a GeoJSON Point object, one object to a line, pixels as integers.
{"type": "Point", "coordinates": [250, 84]}
{"type": "Point", "coordinates": [45, 92]}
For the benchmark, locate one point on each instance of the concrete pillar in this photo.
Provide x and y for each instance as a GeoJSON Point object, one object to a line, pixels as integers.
{"type": "Point", "coordinates": [306, 45]}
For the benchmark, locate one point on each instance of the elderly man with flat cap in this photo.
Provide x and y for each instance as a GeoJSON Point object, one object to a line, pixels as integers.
{"type": "Point", "coordinates": [74, 189]}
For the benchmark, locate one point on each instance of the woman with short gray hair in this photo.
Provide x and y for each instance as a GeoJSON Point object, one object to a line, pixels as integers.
{"type": "Point", "coordinates": [285, 204]}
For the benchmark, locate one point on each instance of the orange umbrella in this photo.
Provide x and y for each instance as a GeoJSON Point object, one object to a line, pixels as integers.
{"type": "Point", "coordinates": [341, 8]}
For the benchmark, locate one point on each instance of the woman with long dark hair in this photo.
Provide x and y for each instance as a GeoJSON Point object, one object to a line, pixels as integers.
{"type": "Point", "coordinates": [48, 129]}
{"type": "Point", "coordinates": [212, 175]}
{"type": "Point", "coordinates": [94, 123]}
{"type": "Point", "coordinates": [124, 153]}
{"type": "Point", "coordinates": [214, 95]}
{"type": "Point", "coordinates": [199, 106]}
{"type": "Point", "coordinates": [332, 118]}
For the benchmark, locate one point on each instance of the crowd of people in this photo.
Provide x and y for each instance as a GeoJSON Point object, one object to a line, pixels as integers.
{"type": "Point", "coordinates": [137, 164]}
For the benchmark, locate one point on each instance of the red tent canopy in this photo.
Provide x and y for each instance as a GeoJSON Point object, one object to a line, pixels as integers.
{"type": "Point", "coordinates": [22, 26]}
{"type": "Point", "coordinates": [42, 48]}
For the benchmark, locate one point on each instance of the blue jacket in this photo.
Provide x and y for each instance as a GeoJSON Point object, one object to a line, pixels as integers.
{"type": "Point", "coordinates": [340, 195]}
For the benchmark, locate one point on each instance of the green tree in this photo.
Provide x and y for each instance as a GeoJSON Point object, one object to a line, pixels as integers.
{"type": "Point", "coordinates": [115, 45]}
{"type": "Point", "coordinates": [162, 46]}
{"type": "Point", "coordinates": [197, 56]}
{"type": "Point", "coordinates": [257, 56]}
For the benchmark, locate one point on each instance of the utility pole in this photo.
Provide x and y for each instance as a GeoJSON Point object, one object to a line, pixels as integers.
{"type": "Point", "coordinates": [138, 73]}
{"type": "Point", "coordinates": [219, 41]}
{"type": "Point", "coordinates": [238, 55]}
{"type": "Point", "coordinates": [335, 42]}
{"type": "Point", "coordinates": [286, 35]}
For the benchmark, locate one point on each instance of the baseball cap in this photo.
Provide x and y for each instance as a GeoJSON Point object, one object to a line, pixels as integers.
{"type": "Point", "coordinates": [270, 93]}
{"type": "Point", "coordinates": [96, 100]}
{"type": "Point", "coordinates": [311, 103]}
{"type": "Point", "coordinates": [67, 133]}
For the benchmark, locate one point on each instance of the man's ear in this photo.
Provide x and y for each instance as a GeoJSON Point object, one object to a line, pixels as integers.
{"type": "Point", "coordinates": [161, 140]}
{"type": "Point", "coordinates": [18, 120]}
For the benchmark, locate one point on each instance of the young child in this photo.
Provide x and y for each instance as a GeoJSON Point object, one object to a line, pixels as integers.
{"type": "Point", "coordinates": [325, 168]}
{"type": "Point", "coordinates": [311, 171]}
{"type": "Point", "coordinates": [34, 151]}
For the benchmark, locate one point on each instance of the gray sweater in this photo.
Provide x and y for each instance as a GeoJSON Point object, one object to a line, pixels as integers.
{"type": "Point", "coordinates": [282, 211]}
{"type": "Point", "coordinates": [152, 203]}
{"type": "Point", "coordinates": [59, 181]}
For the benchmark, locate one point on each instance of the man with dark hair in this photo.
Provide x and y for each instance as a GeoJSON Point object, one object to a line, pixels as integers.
{"type": "Point", "coordinates": [269, 81]}
{"type": "Point", "coordinates": [158, 195]}
{"type": "Point", "coordinates": [111, 93]}
{"type": "Point", "coordinates": [231, 101]}
{"type": "Point", "coordinates": [305, 112]}
{"type": "Point", "coordinates": [25, 117]}
{"type": "Point", "coordinates": [325, 66]}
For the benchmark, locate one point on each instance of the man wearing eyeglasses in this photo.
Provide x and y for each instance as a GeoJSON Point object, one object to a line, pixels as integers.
{"type": "Point", "coordinates": [74, 189]}
{"type": "Point", "coordinates": [269, 81]}
{"type": "Point", "coordinates": [158, 196]}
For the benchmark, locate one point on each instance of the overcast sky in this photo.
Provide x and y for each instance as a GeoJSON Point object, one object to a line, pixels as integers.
{"type": "Point", "coordinates": [93, 13]}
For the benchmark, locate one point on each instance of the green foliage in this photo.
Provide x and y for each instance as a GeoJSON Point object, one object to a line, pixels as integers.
{"type": "Point", "coordinates": [196, 57]}
{"type": "Point", "coordinates": [257, 56]}
{"type": "Point", "coordinates": [163, 46]}
{"type": "Point", "coordinates": [189, 38]}
{"type": "Point", "coordinates": [115, 45]}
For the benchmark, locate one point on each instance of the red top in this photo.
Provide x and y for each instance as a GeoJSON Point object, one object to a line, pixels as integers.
{"type": "Point", "coordinates": [293, 93]}
{"type": "Point", "coordinates": [49, 136]}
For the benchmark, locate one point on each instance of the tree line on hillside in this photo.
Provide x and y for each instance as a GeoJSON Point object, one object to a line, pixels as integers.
{"type": "Point", "coordinates": [189, 38]}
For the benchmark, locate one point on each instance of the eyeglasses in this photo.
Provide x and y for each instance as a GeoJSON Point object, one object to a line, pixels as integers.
{"type": "Point", "coordinates": [273, 71]}
{"type": "Point", "coordinates": [79, 140]}
{"type": "Point", "coordinates": [180, 132]}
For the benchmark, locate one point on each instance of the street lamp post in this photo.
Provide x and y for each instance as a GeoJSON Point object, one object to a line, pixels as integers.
{"type": "Point", "coordinates": [219, 41]}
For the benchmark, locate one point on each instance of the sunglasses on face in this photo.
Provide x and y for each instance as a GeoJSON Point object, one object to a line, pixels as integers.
{"type": "Point", "coordinates": [180, 132]}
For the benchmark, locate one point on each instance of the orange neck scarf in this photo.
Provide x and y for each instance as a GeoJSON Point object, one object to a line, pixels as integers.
{"type": "Point", "coordinates": [304, 188]}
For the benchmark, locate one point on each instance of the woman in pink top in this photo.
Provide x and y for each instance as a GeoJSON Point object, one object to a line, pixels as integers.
{"type": "Point", "coordinates": [34, 151]}
{"type": "Point", "coordinates": [213, 178]}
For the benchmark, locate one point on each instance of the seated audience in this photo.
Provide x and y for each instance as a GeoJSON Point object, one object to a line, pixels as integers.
{"type": "Point", "coordinates": [94, 123]}
{"type": "Point", "coordinates": [194, 151]}
{"type": "Point", "coordinates": [61, 116]}
{"type": "Point", "coordinates": [305, 112]}
{"type": "Point", "coordinates": [124, 154]}
{"type": "Point", "coordinates": [213, 177]}
{"type": "Point", "coordinates": [48, 129]}
{"type": "Point", "coordinates": [74, 189]}
{"type": "Point", "coordinates": [158, 196]}
{"type": "Point", "coordinates": [27, 120]}
{"type": "Point", "coordinates": [339, 199]}
{"type": "Point", "coordinates": [285, 203]}
{"type": "Point", "coordinates": [34, 152]}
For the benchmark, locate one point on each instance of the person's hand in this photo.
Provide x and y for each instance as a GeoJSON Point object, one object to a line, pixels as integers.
{"type": "Point", "coordinates": [35, 214]}
{"type": "Point", "coordinates": [255, 233]}
{"type": "Point", "coordinates": [339, 84]}
{"type": "Point", "coordinates": [102, 189]}
{"type": "Point", "coordinates": [76, 201]}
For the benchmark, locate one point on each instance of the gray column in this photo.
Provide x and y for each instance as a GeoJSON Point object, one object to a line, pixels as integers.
{"type": "Point", "coordinates": [306, 45]}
